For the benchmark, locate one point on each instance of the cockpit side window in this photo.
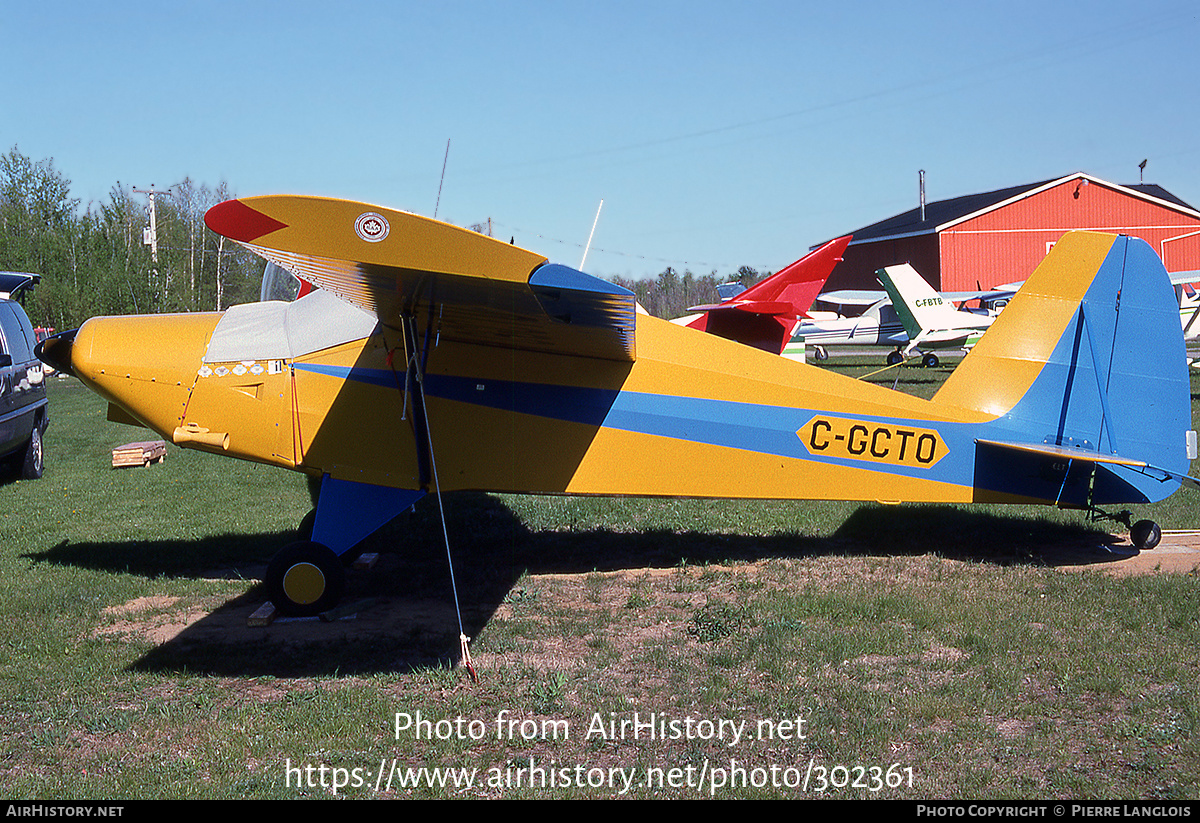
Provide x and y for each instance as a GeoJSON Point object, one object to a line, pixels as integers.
{"type": "Point", "coordinates": [279, 284]}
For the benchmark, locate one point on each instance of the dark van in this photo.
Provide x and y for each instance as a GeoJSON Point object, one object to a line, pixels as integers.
{"type": "Point", "coordinates": [23, 407]}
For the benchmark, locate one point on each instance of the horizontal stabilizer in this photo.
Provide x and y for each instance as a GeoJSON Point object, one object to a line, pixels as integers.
{"type": "Point", "coordinates": [1066, 453]}
{"type": "Point", "coordinates": [1061, 458]}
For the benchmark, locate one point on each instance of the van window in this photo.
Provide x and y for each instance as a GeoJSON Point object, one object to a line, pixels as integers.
{"type": "Point", "coordinates": [16, 341]}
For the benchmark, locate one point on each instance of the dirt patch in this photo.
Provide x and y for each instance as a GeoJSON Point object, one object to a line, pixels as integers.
{"type": "Point", "coordinates": [375, 612]}
{"type": "Point", "coordinates": [157, 618]}
{"type": "Point", "coordinates": [1177, 553]}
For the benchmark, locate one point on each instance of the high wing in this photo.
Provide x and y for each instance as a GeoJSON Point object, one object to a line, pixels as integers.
{"type": "Point", "coordinates": [469, 287]}
{"type": "Point", "coordinates": [852, 297]}
{"type": "Point", "coordinates": [766, 314]}
{"type": "Point", "coordinates": [867, 297]}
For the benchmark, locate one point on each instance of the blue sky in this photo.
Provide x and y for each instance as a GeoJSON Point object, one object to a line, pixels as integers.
{"type": "Point", "coordinates": [716, 134]}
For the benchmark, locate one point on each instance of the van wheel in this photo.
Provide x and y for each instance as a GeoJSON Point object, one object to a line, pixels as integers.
{"type": "Point", "coordinates": [34, 465]}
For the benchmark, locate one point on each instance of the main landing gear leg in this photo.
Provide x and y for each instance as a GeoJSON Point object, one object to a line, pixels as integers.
{"type": "Point", "coordinates": [308, 577]}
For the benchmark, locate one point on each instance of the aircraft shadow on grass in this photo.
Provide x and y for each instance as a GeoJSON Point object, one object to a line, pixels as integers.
{"type": "Point", "coordinates": [400, 615]}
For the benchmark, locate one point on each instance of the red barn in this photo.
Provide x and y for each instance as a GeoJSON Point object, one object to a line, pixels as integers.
{"type": "Point", "coordinates": [985, 240]}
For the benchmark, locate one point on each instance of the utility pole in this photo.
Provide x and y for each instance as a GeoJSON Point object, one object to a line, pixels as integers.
{"type": "Point", "coordinates": [150, 235]}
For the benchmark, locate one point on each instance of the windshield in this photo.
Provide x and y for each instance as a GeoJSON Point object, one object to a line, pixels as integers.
{"type": "Point", "coordinates": [279, 284]}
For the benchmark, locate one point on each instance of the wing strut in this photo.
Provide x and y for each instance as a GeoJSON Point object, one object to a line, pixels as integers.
{"type": "Point", "coordinates": [417, 356]}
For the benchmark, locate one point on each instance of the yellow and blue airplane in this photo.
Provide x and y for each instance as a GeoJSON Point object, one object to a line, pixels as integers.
{"type": "Point", "coordinates": [431, 358]}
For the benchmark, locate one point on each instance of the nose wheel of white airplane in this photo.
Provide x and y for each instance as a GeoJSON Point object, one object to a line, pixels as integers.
{"type": "Point", "coordinates": [305, 579]}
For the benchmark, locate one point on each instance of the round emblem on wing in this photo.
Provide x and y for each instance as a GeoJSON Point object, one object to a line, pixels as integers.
{"type": "Point", "coordinates": [371, 227]}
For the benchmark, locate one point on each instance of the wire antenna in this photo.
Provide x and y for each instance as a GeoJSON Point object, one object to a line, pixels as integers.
{"type": "Point", "coordinates": [443, 178]}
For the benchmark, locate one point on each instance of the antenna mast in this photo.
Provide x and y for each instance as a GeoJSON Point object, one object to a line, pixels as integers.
{"type": "Point", "coordinates": [443, 179]}
{"type": "Point", "coordinates": [592, 232]}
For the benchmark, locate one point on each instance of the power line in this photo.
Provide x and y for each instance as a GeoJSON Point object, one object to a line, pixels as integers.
{"type": "Point", "coordinates": [673, 262]}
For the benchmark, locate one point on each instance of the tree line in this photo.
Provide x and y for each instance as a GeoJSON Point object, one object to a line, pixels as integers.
{"type": "Point", "coordinates": [96, 260]}
{"type": "Point", "coordinates": [671, 294]}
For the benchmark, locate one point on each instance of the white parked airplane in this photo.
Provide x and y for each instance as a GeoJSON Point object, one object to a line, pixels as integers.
{"type": "Point", "coordinates": [930, 321]}
{"type": "Point", "coordinates": [881, 325]}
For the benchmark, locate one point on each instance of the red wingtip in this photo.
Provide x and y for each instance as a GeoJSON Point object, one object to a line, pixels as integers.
{"type": "Point", "coordinates": [237, 221]}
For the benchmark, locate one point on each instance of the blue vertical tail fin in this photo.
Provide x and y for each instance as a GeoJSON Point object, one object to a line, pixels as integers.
{"type": "Point", "coordinates": [1084, 375]}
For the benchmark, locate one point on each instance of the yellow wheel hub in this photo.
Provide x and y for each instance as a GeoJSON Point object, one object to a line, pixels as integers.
{"type": "Point", "coordinates": [304, 583]}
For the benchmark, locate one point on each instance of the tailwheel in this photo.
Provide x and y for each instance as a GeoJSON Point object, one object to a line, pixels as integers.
{"type": "Point", "coordinates": [1145, 534]}
{"type": "Point", "coordinates": [305, 579]}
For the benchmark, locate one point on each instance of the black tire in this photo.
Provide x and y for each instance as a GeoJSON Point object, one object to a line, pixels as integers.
{"type": "Point", "coordinates": [304, 531]}
{"type": "Point", "coordinates": [819, 354]}
{"type": "Point", "coordinates": [305, 579]}
{"type": "Point", "coordinates": [1145, 534]}
{"type": "Point", "coordinates": [930, 361]}
{"type": "Point", "coordinates": [34, 464]}
{"type": "Point", "coordinates": [894, 358]}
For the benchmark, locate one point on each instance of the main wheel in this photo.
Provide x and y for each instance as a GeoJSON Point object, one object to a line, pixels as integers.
{"type": "Point", "coordinates": [1145, 534]}
{"type": "Point", "coordinates": [305, 579]}
{"type": "Point", "coordinates": [35, 457]}
{"type": "Point", "coordinates": [894, 357]}
{"type": "Point", "coordinates": [930, 360]}
{"type": "Point", "coordinates": [304, 531]}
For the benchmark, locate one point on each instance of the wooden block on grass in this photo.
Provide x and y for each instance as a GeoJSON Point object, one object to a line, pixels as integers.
{"type": "Point", "coordinates": [263, 615]}
{"type": "Point", "coordinates": [139, 454]}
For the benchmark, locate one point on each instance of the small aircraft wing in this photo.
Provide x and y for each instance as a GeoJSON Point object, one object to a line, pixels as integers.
{"type": "Point", "coordinates": [966, 296]}
{"type": "Point", "coordinates": [467, 286]}
{"type": "Point", "coordinates": [867, 297]}
{"type": "Point", "coordinates": [852, 297]}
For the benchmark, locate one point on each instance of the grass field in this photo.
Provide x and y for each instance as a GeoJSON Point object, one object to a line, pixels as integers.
{"type": "Point", "coordinates": [662, 648]}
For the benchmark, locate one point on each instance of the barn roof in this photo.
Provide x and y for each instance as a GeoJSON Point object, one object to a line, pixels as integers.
{"type": "Point", "coordinates": [942, 214]}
